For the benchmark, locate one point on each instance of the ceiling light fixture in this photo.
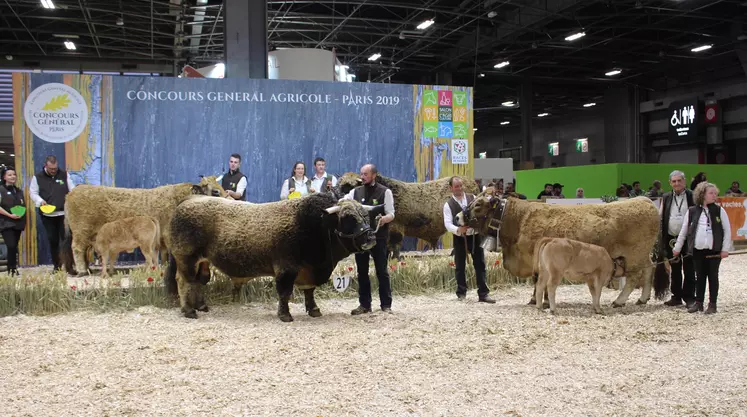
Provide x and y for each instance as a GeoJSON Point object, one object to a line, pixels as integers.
{"type": "Point", "coordinates": [474, 129]}
{"type": "Point", "coordinates": [508, 103]}
{"type": "Point", "coordinates": [374, 57]}
{"type": "Point", "coordinates": [12, 154]}
{"type": "Point", "coordinates": [69, 45]}
{"type": "Point", "coordinates": [120, 21]}
{"type": "Point", "coordinates": [590, 104]}
{"type": "Point", "coordinates": [505, 123]}
{"type": "Point", "coordinates": [425, 25]}
{"type": "Point", "coordinates": [501, 64]}
{"type": "Point", "coordinates": [47, 4]}
{"type": "Point", "coordinates": [575, 36]}
{"type": "Point", "coordinates": [492, 14]}
{"type": "Point", "coordinates": [701, 48]}
{"type": "Point", "coordinates": [543, 114]}
{"type": "Point", "coordinates": [613, 72]}
{"type": "Point", "coordinates": [481, 75]}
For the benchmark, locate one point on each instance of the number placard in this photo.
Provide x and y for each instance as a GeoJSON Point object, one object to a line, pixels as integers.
{"type": "Point", "coordinates": [341, 282]}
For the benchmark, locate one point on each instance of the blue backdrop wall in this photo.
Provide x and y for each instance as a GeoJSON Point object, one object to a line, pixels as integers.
{"type": "Point", "coordinates": [144, 132]}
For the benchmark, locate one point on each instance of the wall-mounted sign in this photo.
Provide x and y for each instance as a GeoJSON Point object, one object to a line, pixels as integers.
{"type": "Point", "coordinates": [684, 120]}
{"type": "Point", "coordinates": [459, 151]}
{"type": "Point", "coordinates": [582, 145]}
{"type": "Point", "coordinates": [553, 149]}
{"type": "Point", "coordinates": [711, 113]}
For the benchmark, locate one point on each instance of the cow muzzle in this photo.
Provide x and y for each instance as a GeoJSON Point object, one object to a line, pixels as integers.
{"type": "Point", "coordinates": [361, 240]}
{"type": "Point", "coordinates": [215, 193]}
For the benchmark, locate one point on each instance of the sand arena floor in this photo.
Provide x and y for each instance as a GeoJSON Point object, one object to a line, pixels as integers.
{"type": "Point", "coordinates": [433, 356]}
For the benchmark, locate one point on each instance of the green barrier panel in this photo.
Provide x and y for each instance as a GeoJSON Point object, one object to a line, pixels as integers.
{"type": "Point", "coordinates": [596, 180]}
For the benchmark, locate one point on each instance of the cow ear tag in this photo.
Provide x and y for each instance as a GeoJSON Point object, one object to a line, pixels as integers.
{"type": "Point", "coordinates": [341, 282]}
{"type": "Point", "coordinates": [47, 208]}
{"type": "Point", "coordinates": [18, 210]}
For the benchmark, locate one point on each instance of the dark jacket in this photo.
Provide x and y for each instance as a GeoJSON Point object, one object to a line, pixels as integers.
{"type": "Point", "coordinates": [11, 196]}
{"type": "Point", "coordinates": [717, 228]}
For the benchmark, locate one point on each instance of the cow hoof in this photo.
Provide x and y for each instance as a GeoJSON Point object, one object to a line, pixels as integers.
{"type": "Point", "coordinates": [640, 303]}
{"type": "Point", "coordinates": [204, 308]}
{"type": "Point", "coordinates": [616, 305]}
{"type": "Point", "coordinates": [287, 318]}
{"type": "Point", "coordinates": [532, 302]}
{"type": "Point", "coordinates": [314, 312]}
{"type": "Point", "coordinates": [546, 304]}
{"type": "Point", "coordinates": [190, 314]}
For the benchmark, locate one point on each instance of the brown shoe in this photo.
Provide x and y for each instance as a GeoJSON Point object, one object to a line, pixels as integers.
{"type": "Point", "coordinates": [673, 302]}
{"type": "Point", "coordinates": [711, 308]}
{"type": "Point", "coordinates": [486, 299]}
{"type": "Point", "coordinates": [360, 310]}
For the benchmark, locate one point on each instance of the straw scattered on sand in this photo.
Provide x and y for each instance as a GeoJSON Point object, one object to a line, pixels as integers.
{"type": "Point", "coordinates": [433, 356]}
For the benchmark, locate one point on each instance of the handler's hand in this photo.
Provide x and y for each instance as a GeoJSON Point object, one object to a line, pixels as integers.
{"type": "Point", "coordinates": [675, 254]}
{"type": "Point", "coordinates": [462, 230]}
{"type": "Point", "coordinates": [312, 190]}
{"type": "Point", "coordinates": [724, 254]}
{"type": "Point", "coordinates": [15, 217]}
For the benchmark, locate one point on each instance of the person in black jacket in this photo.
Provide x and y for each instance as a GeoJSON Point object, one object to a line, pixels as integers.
{"type": "Point", "coordinates": [11, 225]}
{"type": "Point", "coordinates": [50, 187]}
{"type": "Point", "coordinates": [706, 236]}
{"type": "Point", "coordinates": [673, 208]}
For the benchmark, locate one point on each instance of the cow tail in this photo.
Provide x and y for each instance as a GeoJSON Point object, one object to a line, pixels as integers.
{"type": "Point", "coordinates": [536, 260]}
{"type": "Point", "coordinates": [661, 281]}
{"type": "Point", "coordinates": [661, 277]}
{"type": "Point", "coordinates": [66, 249]}
{"type": "Point", "coordinates": [157, 238]}
{"type": "Point", "coordinates": [169, 278]}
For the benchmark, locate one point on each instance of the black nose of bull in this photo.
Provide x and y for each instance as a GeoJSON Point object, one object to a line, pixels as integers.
{"type": "Point", "coordinates": [215, 193]}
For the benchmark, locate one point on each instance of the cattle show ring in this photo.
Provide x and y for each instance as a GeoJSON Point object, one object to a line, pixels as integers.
{"type": "Point", "coordinates": [167, 296]}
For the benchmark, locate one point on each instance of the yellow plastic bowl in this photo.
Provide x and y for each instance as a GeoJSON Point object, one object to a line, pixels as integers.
{"type": "Point", "coordinates": [294, 194]}
{"type": "Point", "coordinates": [47, 208]}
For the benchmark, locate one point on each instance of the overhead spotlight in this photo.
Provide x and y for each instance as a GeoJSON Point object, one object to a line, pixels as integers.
{"type": "Point", "coordinates": [426, 24]}
{"type": "Point", "coordinates": [507, 103]}
{"type": "Point", "coordinates": [402, 35]}
{"type": "Point", "coordinates": [590, 104]}
{"type": "Point", "coordinates": [12, 154]}
{"type": "Point", "coordinates": [47, 4]}
{"type": "Point", "coordinates": [481, 75]}
{"type": "Point", "coordinates": [474, 129]}
{"type": "Point", "coordinates": [613, 72]}
{"type": "Point", "coordinates": [701, 48]}
{"type": "Point", "coordinates": [575, 36]}
{"type": "Point", "coordinates": [374, 57]}
{"type": "Point", "coordinates": [120, 21]}
{"type": "Point", "coordinates": [1, 152]}
{"type": "Point", "coordinates": [69, 45]}
{"type": "Point", "coordinates": [543, 114]}
{"type": "Point", "coordinates": [500, 64]}
{"type": "Point", "coordinates": [492, 14]}
{"type": "Point", "coordinates": [505, 123]}
{"type": "Point", "coordinates": [9, 57]}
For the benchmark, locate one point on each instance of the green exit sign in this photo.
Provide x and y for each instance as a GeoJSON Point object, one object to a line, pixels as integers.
{"type": "Point", "coordinates": [582, 145]}
{"type": "Point", "coordinates": [553, 149]}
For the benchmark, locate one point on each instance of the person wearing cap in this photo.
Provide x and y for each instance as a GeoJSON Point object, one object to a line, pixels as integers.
{"type": "Point", "coordinates": [557, 190]}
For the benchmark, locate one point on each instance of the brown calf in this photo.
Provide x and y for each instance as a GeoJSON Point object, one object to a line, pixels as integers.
{"type": "Point", "coordinates": [555, 258]}
{"type": "Point", "coordinates": [124, 235]}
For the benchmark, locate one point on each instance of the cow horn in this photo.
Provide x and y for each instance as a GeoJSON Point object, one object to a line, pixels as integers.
{"type": "Point", "coordinates": [333, 209]}
{"type": "Point", "coordinates": [359, 180]}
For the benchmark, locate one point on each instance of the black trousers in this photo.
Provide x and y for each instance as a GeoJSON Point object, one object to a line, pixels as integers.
{"type": "Point", "coordinates": [11, 238]}
{"type": "Point", "coordinates": [706, 268]}
{"type": "Point", "coordinates": [478, 260]}
{"type": "Point", "coordinates": [55, 227]}
{"type": "Point", "coordinates": [378, 253]}
{"type": "Point", "coordinates": [682, 289]}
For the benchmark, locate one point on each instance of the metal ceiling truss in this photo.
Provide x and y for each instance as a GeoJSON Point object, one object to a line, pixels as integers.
{"type": "Point", "coordinates": [646, 39]}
